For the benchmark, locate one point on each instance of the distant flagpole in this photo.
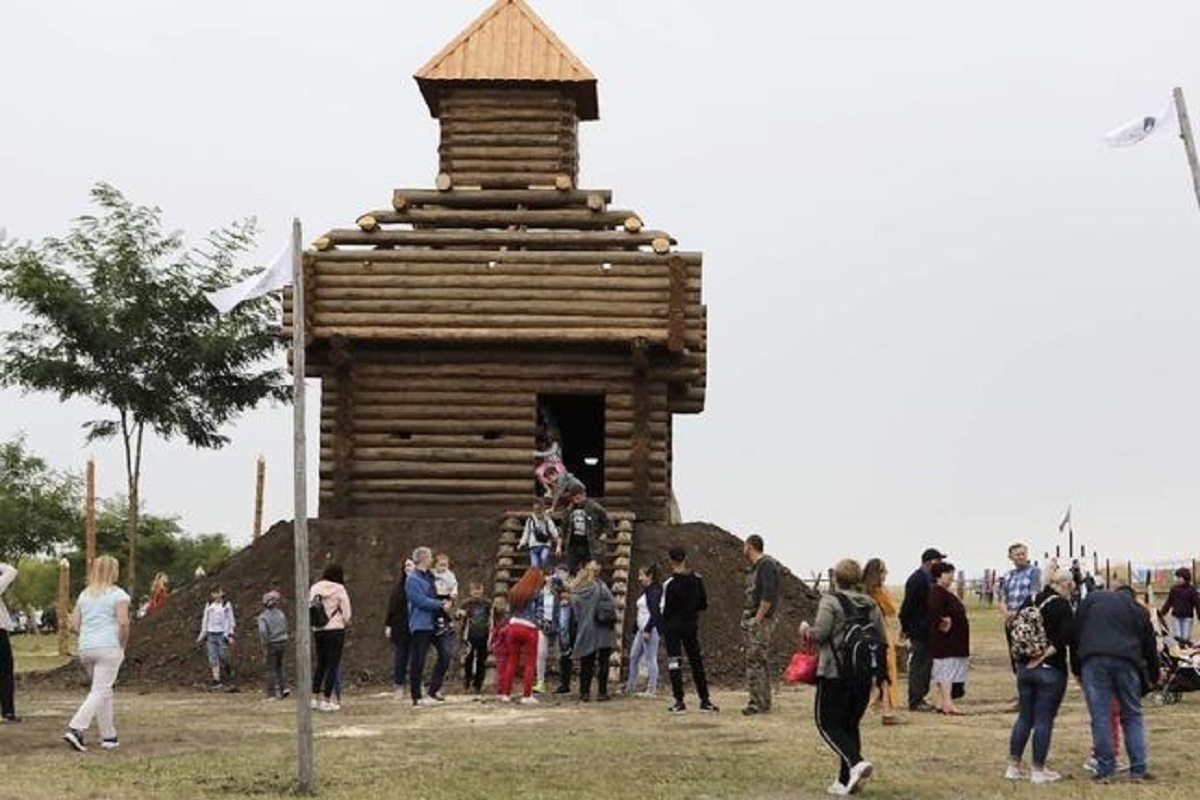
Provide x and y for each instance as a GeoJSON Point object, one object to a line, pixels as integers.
{"type": "Point", "coordinates": [304, 722]}
{"type": "Point", "coordinates": [1189, 143]}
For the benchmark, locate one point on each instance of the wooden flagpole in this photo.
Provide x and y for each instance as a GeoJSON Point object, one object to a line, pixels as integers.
{"type": "Point", "coordinates": [304, 722]}
{"type": "Point", "coordinates": [1189, 143]}
{"type": "Point", "coordinates": [260, 477]}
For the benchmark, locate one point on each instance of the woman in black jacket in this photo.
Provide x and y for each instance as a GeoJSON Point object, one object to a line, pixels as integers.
{"type": "Point", "coordinates": [646, 633]}
{"type": "Point", "coordinates": [395, 629]}
{"type": "Point", "coordinates": [1042, 681]}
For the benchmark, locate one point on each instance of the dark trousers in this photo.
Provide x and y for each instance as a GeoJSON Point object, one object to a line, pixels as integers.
{"type": "Point", "coordinates": [275, 683]}
{"type": "Point", "coordinates": [329, 658]}
{"type": "Point", "coordinates": [444, 642]}
{"type": "Point", "coordinates": [8, 706]}
{"type": "Point", "coordinates": [682, 638]}
{"type": "Point", "coordinates": [577, 556]}
{"type": "Point", "coordinates": [400, 649]}
{"type": "Point", "coordinates": [418, 649]}
{"type": "Point", "coordinates": [564, 673]}
{"type": "Point", "coordinates": [838, 713]}
{"type": "Point", "coordinates": [920, 664]}
{"type": "Point", "coordinates": [597, 659]}
{"type": "Point", "coordinates": [475, 664]}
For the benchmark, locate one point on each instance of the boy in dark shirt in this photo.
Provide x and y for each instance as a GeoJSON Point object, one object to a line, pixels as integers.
{"type": "Point", "coordinates": [476, 612]}
{"type": "Point", "coordinates": [683, 600]}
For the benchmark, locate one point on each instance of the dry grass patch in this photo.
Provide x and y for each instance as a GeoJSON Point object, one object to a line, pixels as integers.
{"type": "Point", "coordinates": [191, 746]}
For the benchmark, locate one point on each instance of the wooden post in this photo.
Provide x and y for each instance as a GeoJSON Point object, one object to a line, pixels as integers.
{"type": "Point", "coordinates": [1189, 144]}
{"type": "Point", "coordinates": [1107, 574]}
{"type": "Point", "coordinates": [64, 607]}
{"type": "Point", "coordinates": [304, 724]}
{"type": "Point", "coordinates": [260, 479]}
{"type": "Point", "coordinates": [90, 528]}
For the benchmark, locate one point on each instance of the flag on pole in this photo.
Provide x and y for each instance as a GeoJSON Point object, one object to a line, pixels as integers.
{"type": "Point", "coordinates": [1066, 520]}
{"type": "Point", "coordinates": [271, 279]}
{"type": "Point", "coordinates": [1139, 128]}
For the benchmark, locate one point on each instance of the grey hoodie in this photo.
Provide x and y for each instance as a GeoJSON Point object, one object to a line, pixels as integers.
{"type": "Point", "coordinates": [272, 625]}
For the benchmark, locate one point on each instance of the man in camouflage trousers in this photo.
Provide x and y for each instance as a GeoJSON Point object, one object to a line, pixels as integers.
{"type": "Point", "coordinates": [758, 623]}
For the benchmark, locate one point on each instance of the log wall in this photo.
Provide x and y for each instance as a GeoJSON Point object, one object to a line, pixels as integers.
{"type": "Point", "coordinates": [462, 433]}
{"type": "Point", "coordinates": [508, 138]}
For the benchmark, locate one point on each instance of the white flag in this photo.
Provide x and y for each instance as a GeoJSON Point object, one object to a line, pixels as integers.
{"type": "Point", "coordinates": [271, 279]}
{"type": "Point", "coordinates": [1139, 128]}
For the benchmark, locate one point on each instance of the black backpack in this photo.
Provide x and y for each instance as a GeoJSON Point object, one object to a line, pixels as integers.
{"type": "Point", "coordinates": [860, 653]}
{"type": "Point", "coordinates": [317, 616]}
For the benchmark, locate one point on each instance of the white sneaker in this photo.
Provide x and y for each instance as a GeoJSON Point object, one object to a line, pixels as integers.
{"type": "Point", "coordinates": [1014, 773]}
{"type": "Point", "coordinates": [1090, 764]}
{"type": "Point", "coordinates": [502, 698]}
{"type": "Point", "coordinates": [529, 701]}
{"type": "Point", "coordinates": [1044, 776]}
{"type": "Point", "coordinates": [314, 704]}
{"type": "Point", "coordinates": [858, 773]}
{"type": "Point", "coordinates": [838, 788]}
{"type": "Point", "coordinates": [325, 705]}
{"type": "Point", "coordinates": [427, 701]}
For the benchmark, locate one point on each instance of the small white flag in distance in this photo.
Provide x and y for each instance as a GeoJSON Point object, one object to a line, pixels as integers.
{"type": "Point", "coordinates": [271, 279]}
{"type": "Point", "coordinates": [1139, 128]}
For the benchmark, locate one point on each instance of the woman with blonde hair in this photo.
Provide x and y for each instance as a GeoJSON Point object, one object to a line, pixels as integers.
{"type": "Point", "coordinates": [525, 608]}
{"type": "Point", "coordinates": [874, 579]}
{"type": "Point", "coordinates": [101, 617]}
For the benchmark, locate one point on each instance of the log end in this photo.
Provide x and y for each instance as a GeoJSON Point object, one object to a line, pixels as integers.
{"type": "Point", "coordinates": [399, 201]}
{"type": "Point", "coordinates": [595, 202]}
{"type": "Point", "coordinates": [322, 244]}
{"type": "Point", "coordinates": [563, 182]}
{"type": "Point", "coordinates": [444, 182]}
{"type": "Point", "coordinates": [633, 224]}
{"type": "Point", "coordinates": [368, 223]}
{"type": "Point", "coordinates": [661, 245]}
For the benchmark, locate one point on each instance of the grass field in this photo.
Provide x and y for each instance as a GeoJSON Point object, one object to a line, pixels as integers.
{"type": "Point", "coordinates": [190, 745]}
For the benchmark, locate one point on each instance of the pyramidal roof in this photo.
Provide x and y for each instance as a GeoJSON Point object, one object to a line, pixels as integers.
{"type": "Point", "coordinates": [509, 42]}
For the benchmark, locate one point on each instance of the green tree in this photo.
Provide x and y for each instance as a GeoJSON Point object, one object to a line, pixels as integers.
{"type": "Point", "coordinates": [36, 585]}
{"type": "Point", "coordinates": [40, 508]}
{"type": "Point", "coordinates": [164, 546]}
{"type": "Point", "coordinates": [118, 315]}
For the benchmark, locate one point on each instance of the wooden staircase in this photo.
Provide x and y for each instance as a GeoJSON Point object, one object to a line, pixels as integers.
{"type": "Point", "coordinates": [511, 565]}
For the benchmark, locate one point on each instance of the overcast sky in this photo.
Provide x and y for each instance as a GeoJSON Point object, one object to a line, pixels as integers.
{"type": "Point", "coordinates": [939, 309]}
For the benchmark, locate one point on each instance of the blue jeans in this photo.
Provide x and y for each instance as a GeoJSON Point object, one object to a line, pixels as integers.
{"type": "Point", "coordinates": [539, 556]}
{"type": "Point", "coordinates": [444, 644]}
{"type": "Point", "coordinates": [647, 649]}
{"type": "Point", "coordinates": [1181, 628]}
{"type": "Point", "coordinates": [1041, 690]}
{"type": "Point", "coordinates": [1103, 678]}
{"type": "Point", "coordinates": [217, 647]}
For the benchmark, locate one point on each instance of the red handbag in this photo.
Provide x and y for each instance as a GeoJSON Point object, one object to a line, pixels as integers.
{"type": "Point", "coordinates": [802, 668]}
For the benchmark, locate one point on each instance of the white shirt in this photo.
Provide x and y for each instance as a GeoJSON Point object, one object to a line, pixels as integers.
{"type": "Point", "coordinates": [8, 574]}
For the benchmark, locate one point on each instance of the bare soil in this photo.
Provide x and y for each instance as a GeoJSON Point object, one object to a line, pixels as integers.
{"type": "Point", "coordinates": [163, 650]}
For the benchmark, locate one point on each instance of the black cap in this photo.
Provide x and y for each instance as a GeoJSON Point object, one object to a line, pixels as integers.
{"type": "Point", "coordinates": [931, 554]}
{"type": "Point", "coordinates": [677, 554]}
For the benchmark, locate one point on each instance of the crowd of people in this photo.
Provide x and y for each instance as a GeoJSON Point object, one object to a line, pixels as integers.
{"type": "Point", "coordinates": [560, 617]}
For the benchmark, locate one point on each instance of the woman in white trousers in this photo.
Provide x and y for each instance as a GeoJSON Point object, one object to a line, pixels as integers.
{"type": "Point", "coordinates": [101, 617]}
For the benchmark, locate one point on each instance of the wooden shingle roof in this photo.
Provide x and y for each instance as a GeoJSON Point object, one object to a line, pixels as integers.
{"type": "Point", "coordinates": [508, 43]}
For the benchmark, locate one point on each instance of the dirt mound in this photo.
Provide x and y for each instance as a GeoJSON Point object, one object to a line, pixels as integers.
{"type": "Point", "coordinates": [163, 647]}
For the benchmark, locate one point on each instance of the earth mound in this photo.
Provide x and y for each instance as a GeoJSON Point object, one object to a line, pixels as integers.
{"type": "Point", "coordinates": [163, 648]}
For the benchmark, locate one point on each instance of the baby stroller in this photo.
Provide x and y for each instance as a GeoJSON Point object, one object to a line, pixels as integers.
{"type": "Point", "coordinates": [1180, 662]}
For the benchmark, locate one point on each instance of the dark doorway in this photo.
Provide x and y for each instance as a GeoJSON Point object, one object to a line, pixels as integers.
{"type": "Point", "coordinates": [579, 421]}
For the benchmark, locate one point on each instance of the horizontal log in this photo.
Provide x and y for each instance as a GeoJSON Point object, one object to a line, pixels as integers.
{"type": "Point", "coordinates": [513, 456]}
{"type": "Point", "coordinates": [457, 127]}
{"type": "Point", "coordinates": [504, 98]}
{"type": "Point", "coordinates": [368, 469]}
{"type": "Point", "coordinates": [499, 320]}
{"type": "Point", "coordinates": [457, 151]}
{"type": "Point", "coordinates": [515, 373]}
{"type": "Point", "coordinates": [504, 257]}
{"type": "Point", "coordinates": [432, 311]}
{"type": "Point", "coordinates": [556, 140]}
{"type": "Point", "coordinates": [378, 438]}
{"type": "Point", "coordinates": [582, 218]}
{"type": "Point", "coordinates": [505, 180]}
{"type": "Point", "coordinates": [497, 486]}
{"type": "Point", "coordinates": [324, 294]}
{"type": "Point", "coordinates": [455, 164]}
{"type": "Point", "coordinates": [384, 361]}
{"type": "Point", "coordinates": [485, 394]}
{"type": "Point", "coordinates": [474, 113]}
{"type": "Point", "coordinates": [490, 335]}
{"type": "Point", "coordinates": [615, 282]}
{"type": "Point", "coordinates": [479, 427]}
{"type": "Point", "coordinates": [554, 239]}
{"type": "Point", "coordinates": [402, 415]}
{"type": "Point", "coordinates": [649, 267]}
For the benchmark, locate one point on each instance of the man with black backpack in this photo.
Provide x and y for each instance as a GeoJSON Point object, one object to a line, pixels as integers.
{"type": "Point", "coordinates": [848, 632]}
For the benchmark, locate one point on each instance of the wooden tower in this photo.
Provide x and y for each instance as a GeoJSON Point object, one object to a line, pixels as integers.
{"type": "Point", "coordinates": [441, 325]}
